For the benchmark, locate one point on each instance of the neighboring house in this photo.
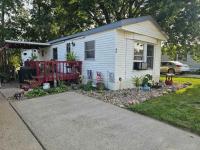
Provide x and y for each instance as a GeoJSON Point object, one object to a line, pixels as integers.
{"type": "Point", "coordinates": [194, 65]}
{"type": "Point", "coordinates": [118, 51]}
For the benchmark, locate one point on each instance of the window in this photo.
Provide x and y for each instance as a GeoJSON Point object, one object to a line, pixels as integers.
{"type": "Point", "coordinates": [143, 56]}
{"type": "Point", "coordinates": [68, 48]}
{"type": "Point", "coordinates": [55, 53]}
{"type": "Point", "coordinates": [138, 51]}
{"type": "Point", "coordinates": [150, 53]}
{"type": "Point", "coordinates": [90, 50]}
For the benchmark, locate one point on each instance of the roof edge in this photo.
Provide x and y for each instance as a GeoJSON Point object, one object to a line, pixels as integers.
{"type": "Point", "coordinates": [26, 42]}
{"type": "Point", "coordinates": [110, 26]}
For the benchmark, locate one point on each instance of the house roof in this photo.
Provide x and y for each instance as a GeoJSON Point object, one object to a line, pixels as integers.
{"type": "Point", "coordinates": [25, 45]}
{"type": "Point", "coordinates": [111, 26]}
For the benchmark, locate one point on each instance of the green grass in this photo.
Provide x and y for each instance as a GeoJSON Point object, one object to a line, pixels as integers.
{"type": "Point", "coordinates": [180, 109]}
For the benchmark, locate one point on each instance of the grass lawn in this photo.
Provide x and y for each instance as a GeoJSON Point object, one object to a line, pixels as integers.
{"type": "Point", "coordinates": [181, 108]}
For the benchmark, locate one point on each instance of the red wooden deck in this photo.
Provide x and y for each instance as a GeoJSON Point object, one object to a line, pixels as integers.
{"type": "Point", "coordinates": [46, 71]}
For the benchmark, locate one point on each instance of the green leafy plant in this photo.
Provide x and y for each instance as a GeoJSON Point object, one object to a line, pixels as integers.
{"type": "Point", "coordinates": [100, 86]}
{"type": "Point", "coordinates": [33, 57]}
{"type": "Point", "coordinates": [61, 88]}
{"type": "Point", "coordinates": [4, 76]}
{"type": "Point", "coordinates": [88, 86]}
{"type": "Point", "coordinates": [71, 56]}
{"type": "Point", "coordinates": [36, 93]}
{"type": "Point", "coordinates": [147, 80]}
{"type": "Point", "coordinates": [56, 90]}
{"type": "Point", "coordinates": [137, 82]}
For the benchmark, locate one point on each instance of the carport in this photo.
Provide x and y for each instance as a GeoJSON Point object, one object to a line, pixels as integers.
{"type": "Point", "coordinates": [11, 45]}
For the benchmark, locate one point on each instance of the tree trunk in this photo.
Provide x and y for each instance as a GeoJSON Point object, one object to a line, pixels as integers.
{"type": "Point", "coordinates": [3, 33]}
{"type": "Point", "coordinates": [2, 20]}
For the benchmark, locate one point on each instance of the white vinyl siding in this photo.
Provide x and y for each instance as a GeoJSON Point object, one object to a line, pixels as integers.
{"type": "Point", "coordinates": [104, 61]}
{"type": "Point", "coordinates": [125, 54]}
{"type": "Point", "coordinates": [145, 28]}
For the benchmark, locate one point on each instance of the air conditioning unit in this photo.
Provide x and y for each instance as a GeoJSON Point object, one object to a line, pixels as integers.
{"type": "Point", "coordinates": [139, 66]}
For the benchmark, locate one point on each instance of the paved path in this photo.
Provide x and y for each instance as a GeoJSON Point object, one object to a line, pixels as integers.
{"type": "Point", "coordinates": [70, 121]}
{"type": "Point", "coordinates": [14, 135]}
{"type": "Point", "coordinates": [189, 75]}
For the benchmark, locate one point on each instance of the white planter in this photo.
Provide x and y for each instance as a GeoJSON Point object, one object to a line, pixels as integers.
{"type": "Point", "coordinates": [46, 86]}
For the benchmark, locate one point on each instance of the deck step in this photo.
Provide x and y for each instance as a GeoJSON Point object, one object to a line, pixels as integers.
{"type": "Point", "coordinates": [33, 83]}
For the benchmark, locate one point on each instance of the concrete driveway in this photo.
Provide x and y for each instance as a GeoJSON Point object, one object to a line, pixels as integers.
{"type": "Point", "coordinates": [14, 135]}
{"type": "Point", "coordinates": [71, 121]}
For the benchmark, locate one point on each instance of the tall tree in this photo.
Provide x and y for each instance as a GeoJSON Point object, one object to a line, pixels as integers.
{"type": "Point", "coordinates": [68, 18]}
{"type": "Point", "coordinates": [105, 12]}
{"type": "Point", "coordinates": [10, 24]}
{"type": "Point", "coordinates": [9, 10]}
{"type": "Point", "coordinates": [39, 28]}
{"type": "Point", "coordinates": [179, 19]}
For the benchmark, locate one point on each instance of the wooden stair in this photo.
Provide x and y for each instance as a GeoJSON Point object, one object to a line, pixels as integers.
{"type": "Point", "coordinates": [33, 83]}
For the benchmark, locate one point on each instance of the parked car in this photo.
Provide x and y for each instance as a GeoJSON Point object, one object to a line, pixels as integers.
{"type": "Point", "coordinates": [174, 67]}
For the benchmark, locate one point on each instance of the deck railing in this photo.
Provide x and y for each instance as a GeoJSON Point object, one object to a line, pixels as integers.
{"type": "Point", "coordinates": [55, 70]}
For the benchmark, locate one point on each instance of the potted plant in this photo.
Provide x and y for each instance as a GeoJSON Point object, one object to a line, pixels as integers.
{"type": "Point", "coordinates": [137, 82]}
{"type": "Point", "coordinates": [147, 82]}
{"type": "Point", "coordinates": [33, 57]}
{"type": "Point", "coordinates": [71, 56]}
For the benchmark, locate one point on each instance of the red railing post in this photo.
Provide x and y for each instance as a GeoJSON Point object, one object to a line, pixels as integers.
{"type": "Point", "coordinates": [58, 70]}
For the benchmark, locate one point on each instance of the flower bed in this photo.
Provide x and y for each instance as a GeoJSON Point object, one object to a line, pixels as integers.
{"type": "Point", "coordinates": [125, 97]}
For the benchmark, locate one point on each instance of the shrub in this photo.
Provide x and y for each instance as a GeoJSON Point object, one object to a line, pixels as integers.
{"type": "Point", "coordinates": [147, 80]}
{"type": "Point", "coordinates": [88, 86]}
{"type": "Point", "coordinates": [40, 92]}
{"type": "Point", "coordinates": [4, 76]}
{"type": "Point", "coordinates": [198, 71]}
{"type": "Point", "coordinates": [61, 88]}
{"type": "Point", "coordinates": [100, 86]}
{"type": "Point", "coordinates": [36, 93]}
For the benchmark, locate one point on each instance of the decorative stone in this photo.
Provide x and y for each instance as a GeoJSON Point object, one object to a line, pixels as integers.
{"type": "Point", "coordinates": [122, 106]}
{"type": "Point", "coordinates": [126, 97]}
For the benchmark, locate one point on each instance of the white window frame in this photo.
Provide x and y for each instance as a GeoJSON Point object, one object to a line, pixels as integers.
{"type": "Point", "coordinates": [151, 56]}
{"type": "Point", "coordinates": [144, 52]}
{"type": "Point", "coordinates": [144, 45]}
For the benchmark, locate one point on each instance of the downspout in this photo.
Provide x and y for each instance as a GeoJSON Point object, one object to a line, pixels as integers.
{"type": "Point", "coordinates": [125, 54]}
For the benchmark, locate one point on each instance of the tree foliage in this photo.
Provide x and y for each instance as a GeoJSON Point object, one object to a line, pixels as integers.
{"type": "Point", "coordinates": [50, 19]}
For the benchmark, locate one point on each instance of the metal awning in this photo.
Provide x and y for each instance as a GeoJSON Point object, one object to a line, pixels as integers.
{"type": "Point", "coordinates": [25, 45]}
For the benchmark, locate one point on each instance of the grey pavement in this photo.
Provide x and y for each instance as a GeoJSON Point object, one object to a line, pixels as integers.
{"type": "Point", "coordinates": [70, 121]}
{"type": "Point", "coordinates": [14, 135]}
{"type": "Point", "coordinates": [189, 75]}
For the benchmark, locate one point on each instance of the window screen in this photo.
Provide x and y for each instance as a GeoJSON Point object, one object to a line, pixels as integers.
{"type": "Point", "coordinates": [150, 54]}
{"type": "Point", "coordinates": [90, 50]}
{"type": "Point", "coordinates": [55, 53]}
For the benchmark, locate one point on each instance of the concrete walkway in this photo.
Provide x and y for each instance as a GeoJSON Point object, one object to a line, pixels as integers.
{"type": "Point", "coordinates": [70, 121]}
{"type": "Point", "coordinates": [14, 135]}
